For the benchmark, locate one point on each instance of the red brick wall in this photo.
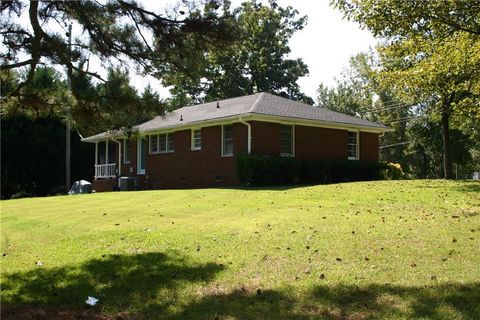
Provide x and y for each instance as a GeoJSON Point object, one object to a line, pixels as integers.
{"type": "Point", "coordinates": [320, 143]}
{"type": "Point", "coordinates": [265, 138]}
{"type": "Point", "coordinates": [103, 185]}
{"type": "Point", "coordinates": [369, 146]}
{"type": "Point", "coordinates": [185, 168]}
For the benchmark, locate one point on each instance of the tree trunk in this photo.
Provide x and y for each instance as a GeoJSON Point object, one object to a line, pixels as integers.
{"type": "Point", "coordinates": [447, 151]}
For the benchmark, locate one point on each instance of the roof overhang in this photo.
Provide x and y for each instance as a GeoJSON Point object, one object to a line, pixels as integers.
{"type": "Point", "coordinates": [320, 123]}
{"type": "Point", "coordinates": [240, 117]}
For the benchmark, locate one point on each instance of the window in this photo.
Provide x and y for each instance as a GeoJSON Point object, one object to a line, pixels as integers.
{"type": "Point", "coordinates": [126, 151]}
{"type": "Point", "coordinates": [352, 141]}
{"type": "Point", "coordinates": [286, 140]}
{"type": "Point", "coordinates": [196, 139]}
{"type": "Point", "coordinates": [162, 143]}
{"type": "Point", "coordinates": [170, 142]}
{"type": "Point", "coordinates": [227, 141]}
{"type": "Point", "coordinates": [154, 144]}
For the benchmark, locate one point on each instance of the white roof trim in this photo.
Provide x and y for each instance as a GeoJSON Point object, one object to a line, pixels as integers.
{"type": "Point", "coordinates": [244, 117]}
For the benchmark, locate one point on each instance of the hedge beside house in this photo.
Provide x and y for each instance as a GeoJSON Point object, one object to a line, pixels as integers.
{"type": "Point", "coordinates": [260, 170]}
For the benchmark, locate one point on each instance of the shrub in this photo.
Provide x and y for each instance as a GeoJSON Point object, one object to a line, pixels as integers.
{"type": "Point", "coordinates": [258, 170]}
{"type": "Point", "coordinates": [393, 171]}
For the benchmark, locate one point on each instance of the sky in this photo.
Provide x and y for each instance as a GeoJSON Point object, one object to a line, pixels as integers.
{"type": "Point", "coordinates": [325, 44]}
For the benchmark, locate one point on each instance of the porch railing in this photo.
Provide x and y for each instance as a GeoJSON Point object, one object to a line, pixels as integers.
{"type": "Point", "coordinates": [105, 170]}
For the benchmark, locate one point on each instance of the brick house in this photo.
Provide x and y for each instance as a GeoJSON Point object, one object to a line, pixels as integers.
{"type": "Point", "coordinates": [195, 146]}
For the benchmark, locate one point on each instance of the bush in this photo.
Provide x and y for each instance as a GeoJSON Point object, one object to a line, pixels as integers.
{"type": "Point", "coordinates": [393, 171]}
{"type": "Point", "coordinates": [260, 170]}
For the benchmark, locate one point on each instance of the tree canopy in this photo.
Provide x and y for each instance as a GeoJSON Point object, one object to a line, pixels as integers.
{"type": "Point", "coordinates": [256, 61]}
{"type": "Point", "coordinates": [416, 143]}
{"type": "Point", "coordinates": [391, 18]}
{"type": "Point", "coordinates": [431, 55]}
{"type": "Point", "coordinates": [116, 32]}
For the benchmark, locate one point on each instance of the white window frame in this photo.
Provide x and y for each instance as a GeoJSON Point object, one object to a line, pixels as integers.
{"type": "Point", "coordinates": [168, 136]}
{"type": "Point", "coordinates": [126, 142]}
{"type": "Point", "coordinates": [140, 150]}
{"type": "Point", "coordinates": [150, 144]}
{"type": "Point", "coordinates": [357, 147]}
{"type": "Point", "coordinates": [193, 139]}
{"type": "Point", "coordinates": [292, 141]}
{"type": "Point", "coordinates": [223, 141]}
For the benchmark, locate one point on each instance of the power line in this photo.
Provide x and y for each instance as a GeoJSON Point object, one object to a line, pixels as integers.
{"type": "Point", "coordinates": [395, 144]}
{"type": "Point", "coordinates": [393, 103]}
{"type": "Point", "coordinates": [389, 108]}
{"type": "Point", "coordinates": [406, 119]}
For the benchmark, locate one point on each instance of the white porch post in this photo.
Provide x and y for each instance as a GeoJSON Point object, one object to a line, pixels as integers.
{"type": "Point", "coordinates": [106, 151]}
{"type": "Point", "coordinates": [96, 158]}
{"type": "Point", "coordinates": [96, 153]}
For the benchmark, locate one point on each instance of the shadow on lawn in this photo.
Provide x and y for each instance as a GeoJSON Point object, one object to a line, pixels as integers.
{"type": "Point", "coordinates": [464, 186]}
{"type": "Point", "coordinates": [152, 284]}
{"type": "Point", "coordinates": [470, 186]}
{"type": "Point", "coordinates": [343, 302]}
{"type": "Point", "coordinates": [119, 281]}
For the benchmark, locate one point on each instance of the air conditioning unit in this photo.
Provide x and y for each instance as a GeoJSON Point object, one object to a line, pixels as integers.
{"type": "Point", "coordinates": [128, 183]}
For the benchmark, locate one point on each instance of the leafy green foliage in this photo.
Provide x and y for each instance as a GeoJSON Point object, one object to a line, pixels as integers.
{"type": "Point", "coordinates": [392, 18]}
{"type": "Point", "coordinates": [257, 61]}
{"type": "Point", "coordinates": [45, 95]}
{"type": "Point", "coordinates": [118, 102]}
{"type": "Point", "coordinates": [354, 91]}
{"type": "Point", "coordinates": [360, 92]}
{"type": "Point", "coordinates": [424, 154]}
{"type": "Point", "coordinates": [260, 170]}
{"type": "Point", "coordinates": [116, 32]}
{"type": "Point", "coordinates": [33, 156]}
{"type": "Point", "coordinates": [393, 171]}
{"type": "Point", "coordinates": [430, 57]}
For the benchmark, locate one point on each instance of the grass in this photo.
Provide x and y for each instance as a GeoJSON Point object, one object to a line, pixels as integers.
{"type": "Point", "coordinates": [370, 250]}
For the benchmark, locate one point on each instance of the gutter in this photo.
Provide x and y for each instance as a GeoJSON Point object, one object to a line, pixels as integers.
{"type": "Point", "coordinates": [251, 116]}
{"type": "Point", "coordinates": [249, 134]}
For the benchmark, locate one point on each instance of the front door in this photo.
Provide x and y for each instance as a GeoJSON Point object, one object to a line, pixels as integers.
{"type": "Point", "coordinates": [141, 154]}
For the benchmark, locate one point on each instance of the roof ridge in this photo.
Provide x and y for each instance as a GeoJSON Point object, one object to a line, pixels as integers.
{"type": "Point", "coordinates": [257, 101]}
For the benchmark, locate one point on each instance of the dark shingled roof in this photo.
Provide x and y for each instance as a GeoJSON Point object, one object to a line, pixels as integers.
{"type": "Point", "coordinates": [263, 104]}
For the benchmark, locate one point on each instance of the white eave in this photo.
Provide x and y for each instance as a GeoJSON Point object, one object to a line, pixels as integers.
{"type": "Point", "coordinates": [242, 117]}
{"type": "Point", "coordinates": [256, 107]}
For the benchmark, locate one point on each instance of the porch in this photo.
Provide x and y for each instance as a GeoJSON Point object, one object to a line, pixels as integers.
{"type": "Point", "coordinates": [105, 165]}
{"type": "Point", "coordinates": [104, 171]}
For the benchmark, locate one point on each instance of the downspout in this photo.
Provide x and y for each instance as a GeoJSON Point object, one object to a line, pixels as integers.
{"type": "Point", "coordinates": [249, 135]}
{"type": "Point", "coordinates": [119, 159]}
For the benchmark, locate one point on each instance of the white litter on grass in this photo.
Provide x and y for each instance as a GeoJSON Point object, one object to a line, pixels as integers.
{"type": "Point", "coordinates": [91, 301]}
{"type": "Point", "coordinates": [39, 263]}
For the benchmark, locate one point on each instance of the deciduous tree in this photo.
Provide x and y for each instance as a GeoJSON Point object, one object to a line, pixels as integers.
{"type": "Point", "coordinates": [431, 55]}
{"type": "Point", "coordinates": [256, 62]}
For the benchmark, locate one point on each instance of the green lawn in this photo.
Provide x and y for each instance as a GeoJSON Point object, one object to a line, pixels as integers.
{"type": "Point", "coordinates": [369, 250]}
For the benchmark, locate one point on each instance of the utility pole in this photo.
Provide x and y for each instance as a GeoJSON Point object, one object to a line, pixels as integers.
{"type": "Point", "coordinates": [68, 129]}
